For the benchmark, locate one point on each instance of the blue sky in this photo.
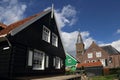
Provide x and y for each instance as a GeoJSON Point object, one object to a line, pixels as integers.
{"type": "Point", "coordinates": [98, 20]}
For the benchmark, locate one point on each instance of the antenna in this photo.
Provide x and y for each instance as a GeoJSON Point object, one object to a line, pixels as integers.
{"type": "Point", "coordinates": [52, 11]}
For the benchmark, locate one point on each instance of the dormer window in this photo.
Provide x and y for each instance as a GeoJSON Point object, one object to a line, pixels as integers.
{"type": "Point", "coordinates": [46, 34]}
{"type": "Point", "coordinates": [54, 40]}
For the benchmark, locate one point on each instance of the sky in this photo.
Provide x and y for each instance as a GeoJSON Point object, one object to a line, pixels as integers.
{"type": "Point", "coordinates": [97, 20]}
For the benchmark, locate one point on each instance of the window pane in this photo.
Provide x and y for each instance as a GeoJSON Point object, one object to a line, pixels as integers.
{"type": "Point", "coordinates": [47, 61]}
{"type": "Point", "coordinates": [30, 55]}
{"type": "Point", "coordinates": [98, 54]}
{"type": "Point", "coordinates": [46, 34]}
{"type": "Point", "coordinates": [38, 62]}
{"type": "Point", "coordinates": [90, 55]}
{"type": "Point", "coordinates": [54, 40]}
{"type": "Point", "coordinates": [57, 63]}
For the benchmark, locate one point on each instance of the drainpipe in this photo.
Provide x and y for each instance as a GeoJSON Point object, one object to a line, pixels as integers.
{"type": "Point", "coordinates": [8, 41]}
{"type": "Point", "coordinates": [10, 59]}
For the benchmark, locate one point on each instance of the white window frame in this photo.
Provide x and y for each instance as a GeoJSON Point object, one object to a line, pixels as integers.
{"type": "Point", "coordinates": [54, 61]}
{"type": "Point", "coordinates": [47, 61]}
{"type": "Point", "coordinates": [98, 54]}
{"type": "Point", "coordinates": [61, 62]}
{"type": "Point", "coordinates": [90, 55]}
{"type": "Point", "coordinates": [30, 57]}
{"type": "Point", "coordinates": [103, 62]}
{"type": "Point", "coordinates": [54, 40]}
{"type": "Point", "coordinates": [46, 34]}
{"type": "Point", "coordinates": [37, 57]}
{"type": "Point", "coordinates": [57, 62]}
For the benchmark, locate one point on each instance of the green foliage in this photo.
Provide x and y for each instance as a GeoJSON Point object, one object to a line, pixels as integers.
{"type": "Point", "coordinates": [107, 77]}
{"type": "Point", "coordinates": [69, 72]}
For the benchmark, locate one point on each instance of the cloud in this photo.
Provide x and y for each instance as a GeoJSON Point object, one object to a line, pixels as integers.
{"type": "Point", "coordinates": [11, 11]}
{"type": "Point", "coordinates": [118, 31]}
{"type": "Point", "coordinates": [116, 44]}
{"type": "Point", "coordinates": [66, 16]}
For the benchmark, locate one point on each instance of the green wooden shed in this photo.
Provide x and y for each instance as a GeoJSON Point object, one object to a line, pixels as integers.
{"type": "Point", "coordinates": [70, 62]}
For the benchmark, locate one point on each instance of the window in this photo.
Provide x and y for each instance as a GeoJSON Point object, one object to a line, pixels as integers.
{"type": "Point", "coordinates": [98, 54]}
{"type": "Point", "coordinates": [57, 62]}
{"type": "Point", "coordinates": [54, 40]}
{"type": "Point", "coordinates": [38, 60]}
{"type": "Point", "coordinates": [90, 55]}
{"type": "Point", "coordinates": [110, 60]}
{"type": "Point", "coordinates": [46, 34]}
{"type": "Point", "coordinates": [47, 61]}
{"type": "Point", "coordinates": [103, 62]}
{"type": "Point", "coordinates": [30, 56]}
{"type": "Point", "coordinates": [53, 61]}
{"type": "Point", "coordinates": [93, 60]}
{"type": "Point", "coordinates": [61, 63]}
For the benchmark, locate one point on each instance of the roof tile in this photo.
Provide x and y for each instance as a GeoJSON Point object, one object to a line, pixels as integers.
{"type": "Point", "coordinates": [17, 24]}
{"type": "Point", "coordinates": [3, 25]}
{"type": "Point", "coordinates": [91, 64]}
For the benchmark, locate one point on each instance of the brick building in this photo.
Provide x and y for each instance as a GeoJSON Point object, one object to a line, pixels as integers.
{"type": "Point", "coordinates": [107, 55]}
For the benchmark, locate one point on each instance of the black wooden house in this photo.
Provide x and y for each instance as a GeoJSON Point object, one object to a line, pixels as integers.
{"type": "Point", "coordinates": [32, 47]}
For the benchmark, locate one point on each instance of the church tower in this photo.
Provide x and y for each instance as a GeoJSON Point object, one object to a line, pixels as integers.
{"type": "Point", "coordinates": [79, 48]}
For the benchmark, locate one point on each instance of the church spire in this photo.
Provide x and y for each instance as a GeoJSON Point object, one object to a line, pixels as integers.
{"type": "Point", "coordinates": [79, 48]}
{"type": "Point", "coordinates": [79, 38]}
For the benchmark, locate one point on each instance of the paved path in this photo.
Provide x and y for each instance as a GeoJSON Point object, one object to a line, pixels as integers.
{"type": "Point", "coordinates": [60, 77]}
{"type": "Point", "coordinates": [65, 77]}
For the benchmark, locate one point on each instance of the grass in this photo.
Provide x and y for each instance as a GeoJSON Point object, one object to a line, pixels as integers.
{"type": "Point", "coordinates": [106, 77]}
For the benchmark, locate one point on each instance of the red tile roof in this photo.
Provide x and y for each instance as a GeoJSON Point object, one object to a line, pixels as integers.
{"type": "Point", "coordinates": [17, 24]}
{"type": "Point", "coordinates": [3, 25]}
{"type": "Point", "coordinates": [91, 64]}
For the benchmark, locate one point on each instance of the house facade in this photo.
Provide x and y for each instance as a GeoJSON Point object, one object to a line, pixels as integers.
{"type": "Point", "coordinates": [107, 55]}
{"type": "Point", "coordinates": [32, 47]}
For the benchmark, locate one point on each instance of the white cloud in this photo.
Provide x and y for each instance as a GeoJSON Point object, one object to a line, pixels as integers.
{"type": "Point", "coordinates": [118, 31]}
{"type": "Point", "coordinates": [66, 16]}
{"type": "Point", "coordinates": [116, 44]}
{"type": "Point", "coordinates": [11, 11]}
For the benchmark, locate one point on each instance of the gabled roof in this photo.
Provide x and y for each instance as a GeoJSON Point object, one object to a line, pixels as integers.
{"type": "Point", "coordinates": [110, 49]}
{"type": "Point", "coordinates": [67, 54]}
{"type": "Point", "coordinates": [91, 64]}
{"type": "Point", "coordinates": [3, 25]}
{"type": "Point", "coordinates": [17, 24]}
